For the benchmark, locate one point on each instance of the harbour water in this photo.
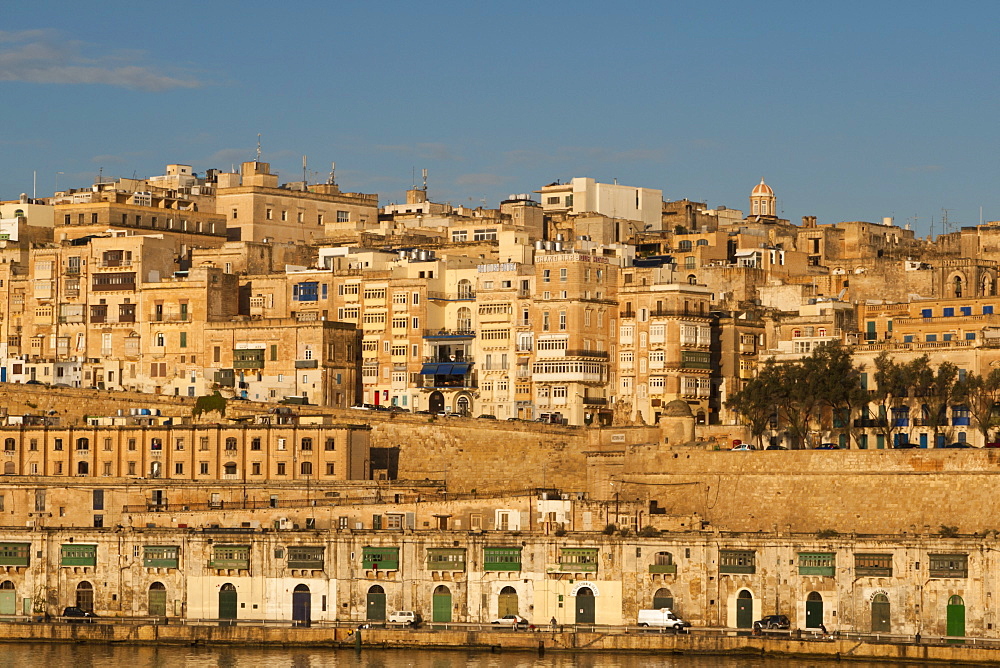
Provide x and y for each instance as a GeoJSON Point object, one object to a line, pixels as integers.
{"type": "Point", "coordinates": [23, 655]}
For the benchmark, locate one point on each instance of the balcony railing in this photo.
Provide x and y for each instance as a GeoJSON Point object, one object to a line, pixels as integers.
{"type": "Point", "coordinates": [306, 364]}
{"type": "Point", "coordinates": [599, 401]}
{"type": "Point", "coordinates": [449, 334]}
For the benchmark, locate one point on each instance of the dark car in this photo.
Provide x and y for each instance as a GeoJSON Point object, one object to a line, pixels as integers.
{"type": "Point", "coordinates": [398, 409]}
{"type": "Point", "coordinates": [775, 447]}
{"type": "Point", "coordinates": [773, 622]}
{"type": "Point", "coordinates": [905, 445]}
{"type": "Point", "coordinates": [827, 446]}
{"type": "Point", "coordinates": [75, 615]}
{"type": "Point", "coordinates": [994, 444]}
{"type": "Point", "coordinates": [486, 416]}
{"type": "Point", "coordinates": [960, 444]}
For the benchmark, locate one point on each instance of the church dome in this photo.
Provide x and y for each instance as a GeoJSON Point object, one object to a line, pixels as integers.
{"type": "Point", "coordinates": [762, 189]}
{"type": "Point", "coordinates": [677, 408]}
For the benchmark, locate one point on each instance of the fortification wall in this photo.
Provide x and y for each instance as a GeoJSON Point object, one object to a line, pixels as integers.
{"type": "Point", "coordinates": [863, 491]}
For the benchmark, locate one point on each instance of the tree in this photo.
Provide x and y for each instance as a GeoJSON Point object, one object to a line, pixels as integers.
{"type": "Point", "coordinates": [892, 381]}
{"type": "Point", "coordinates": [937, 389]}
{"type": "Point", "coordinates": [799, 398]}
{"type": "Point", "coordinates": [981, 396]}
{"type": "Point", "coordinates": [839, 385]}
{"type": "Point", "coordinates": [756, 400]}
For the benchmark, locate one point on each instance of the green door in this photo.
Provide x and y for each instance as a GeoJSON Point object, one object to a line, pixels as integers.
{"type": "Point", "coordinates": [586, 606]}
{"type": "Point", "coordinates": [227, 602]}
{"type": "Point", "coordinates": [441, 604]}
{"type": "Point", "coordinates": [157, 600]}
{"type": "Point", "coordinates": [880, 614]}
{"type": "Point", "coordinates": [663, 599]}
{"type": "Point", "coordinates": [507, 602]}
{"type": "Point", "coordinates": [956, 617]}
{"type": "Point", "coordinates": [376, 604]}
{"type": "Point", "coordinates": [814, 610]}
{"type": "Point", "coordinates": [8, 602]}
{"type": "Point", "coordinates": [744, 610]}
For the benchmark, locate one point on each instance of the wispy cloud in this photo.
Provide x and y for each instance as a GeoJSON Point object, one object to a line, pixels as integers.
{"type": "Point", "coordinates": [422, 151]}
{"type": "Point", "coordinates": [44, 56]}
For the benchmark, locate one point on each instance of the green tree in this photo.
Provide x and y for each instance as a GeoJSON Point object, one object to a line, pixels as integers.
{"type": "Point", "coordinates": [756, 400]}
{"type": "Point", "coordinates": [981, 396]}
{"type": "Point", "coordinates": [935, 387]}
{"type": "Point", "coordinates": [838, 384]}
{"type": "Point", "coordinates": [891, 383]}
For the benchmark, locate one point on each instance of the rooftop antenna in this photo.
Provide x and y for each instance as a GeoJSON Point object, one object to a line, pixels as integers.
{"type": "Point", "coordinates": [258, 147]}
{"type": "Point", "coordinates": [944, 220]}
{"type": "Point", "coordinates": [305, 180]}
{"type": "Point", "coordinates": [333, 169]}
{"type": "Point", "coordinates": [425, 178]}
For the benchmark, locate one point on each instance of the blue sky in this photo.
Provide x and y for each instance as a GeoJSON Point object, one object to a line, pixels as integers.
{"type": "Point", "coordinates": [850, 110]}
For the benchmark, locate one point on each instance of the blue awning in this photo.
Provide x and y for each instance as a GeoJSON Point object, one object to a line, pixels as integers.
{"type": "Point", "coordinates": [460, 369]}
{"type": "Point", "coordinates": [437, 369]}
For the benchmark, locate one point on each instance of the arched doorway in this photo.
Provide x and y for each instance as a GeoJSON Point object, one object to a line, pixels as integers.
{"type": "Point", "coordinates": [436, 403]}
{"type": "Point", "coordinates": [586, 606]}
{"type": "Point", "coordinates": [301, 606]}
{"type": "Point", "coordinates": [744, 609]}
{"type": "Point", "coordinates": [956, 616]}
{"type": "Point", "coordinates": [8, 598]}
{"type": "Point", "coordinates": [464, 405]}
{"type": "Point", "coordinates": [228, 601]}
{"type": "Point", "coordinates": [85, 596]}
{"type": "Point", "coordinates": [376, 604]}
{"type": "Point", "coordinates": [814, 610]}
{"type": "Point", "coordinates": [663, 599]}
{"type": "Point", "coordinates": [441, 606]}
{"type": "Point", "coordinates": [507, 602]}
{"type": "Point", "coordinates": [156, 600]}
{"type": "Point", "coordinates": [881, 614]}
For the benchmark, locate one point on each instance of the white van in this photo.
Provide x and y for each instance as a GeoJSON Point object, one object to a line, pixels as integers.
{"type": "Point", "coordinates": [662, 618]}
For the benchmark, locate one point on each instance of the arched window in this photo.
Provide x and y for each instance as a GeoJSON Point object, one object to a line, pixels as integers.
{"type": "Point", "coordinates": [465, 289]}
{"type": "Point", "coordinates": [684, 245]}
{"type": "Point", "coordinates": [229, 468]}
{"type": "Point", "coordinates": [9, 468]}
{"type": "Point", "coordinates": [464, 406]}
{"type": "Point", "coordinates": [692, 279]}
{"type": "Point", "coordinates": [82, 468]}
{"type": "Point", "coordinates": [957, 286]}
{"type": "Point", "coordinates": [85, 596]}
{"type": "Point", "coordinates": [306, 468]}
{"type": "Point", "coordinates": [464, 319]}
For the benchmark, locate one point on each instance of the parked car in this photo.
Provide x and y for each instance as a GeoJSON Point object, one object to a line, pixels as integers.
{"type": "Point", "coordinates": [486, 416]}
{"type": "Point", "coordinates": [75, 615]}
{"type": "Point", "coordinates": [405, 617]}
{"type": "Point", "coordinates": [960, 444]}
{"type": "Point", "coordinates": [827, 446]}
{"type": "Point", "coordinates": [775, 447]}
{"type": "Point", "coordinates": [905, 445]}
{"type": "Point", "coordinates": [995, 444]}
{"type": "Point", "coordinates": [398, 409]}
{"type": "Point", "coordinates": [743, 447]}
{"type": "Point", "coordinates": [514, 621]}
{"type": "Point", "coordinates": [773, 622]}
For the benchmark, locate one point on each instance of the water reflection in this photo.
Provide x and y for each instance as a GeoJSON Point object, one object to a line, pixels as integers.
{"type": "Point", "coordinates": [116, 656]}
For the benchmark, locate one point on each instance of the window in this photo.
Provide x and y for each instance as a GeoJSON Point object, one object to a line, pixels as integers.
{"type": "Point", "coordinates": [817, 563]}
{"type": "Point", "coordinates": [737, 561]}
{"type": "Point", "coordinates": [281, 468]}
{"type": "Point", "coordinates": [579, 559]}
{"type": "Point", "coordinates": [502, 559]}
{"type": "Point", "coordinates": [446, 559]}
{"type": "Point", "coordinates": [343, 216]}
{"type": "Point", "coordinates": [379, 558]}
{"type": "Point", "coordinates": [306, 468]}
{"type": "Point", "coordinates": [949, 565]}
{"type": "Point", "coordinates": [873, 565]}
{"type": "Point", "coordinates": [307, 443]}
